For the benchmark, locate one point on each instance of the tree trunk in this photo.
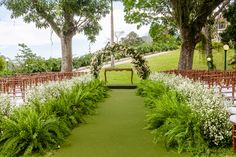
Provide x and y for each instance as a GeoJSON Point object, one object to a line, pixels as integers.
{"type": "Point", "coordinates": [234, 42]}
{"type": "Point", "coordinates": [66, 48]}
{"type": "Point", "coordinates": [207, 32]}
{"type": "Point", "coordinates": [187, 50]}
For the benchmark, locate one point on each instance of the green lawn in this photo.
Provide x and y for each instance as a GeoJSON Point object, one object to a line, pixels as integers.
{"type": "Point", "coordinates": [167, 62]}
{"type": "Point", "coordinates": [117, 130]}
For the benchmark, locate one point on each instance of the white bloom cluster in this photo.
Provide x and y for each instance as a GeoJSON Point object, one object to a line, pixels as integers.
{"type": "Point", "coordinates": [208, 102]}
{"type": "Point", "coordinates": [5, 104]}
{"type": "Point", "coordinates": [42, 92]}
{"type": "Point", "coordinates": [53, 89]}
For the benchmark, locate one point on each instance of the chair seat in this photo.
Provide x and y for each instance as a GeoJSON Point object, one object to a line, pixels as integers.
{"type": "Point", "coordinates": [232, 110]}
{"type": "Point", "coordinates": [232, 118]}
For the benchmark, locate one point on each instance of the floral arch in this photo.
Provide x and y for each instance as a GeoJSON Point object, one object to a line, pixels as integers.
{"type": "Point", "coordinates": [139, 63]}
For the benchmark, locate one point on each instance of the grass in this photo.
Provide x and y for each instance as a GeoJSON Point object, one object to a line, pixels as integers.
{"type": "Point", "coordinates": [117, 130]}
{"type": "Point", "coordinates": [167, 62]}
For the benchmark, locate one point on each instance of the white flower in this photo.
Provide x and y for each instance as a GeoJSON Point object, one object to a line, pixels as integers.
{"type": "Point", "coordinates": [53, 89]}
{"type": "Point", "coordinates": [5, 104]}
{"type": "Point", "coordinates": [211, 105]}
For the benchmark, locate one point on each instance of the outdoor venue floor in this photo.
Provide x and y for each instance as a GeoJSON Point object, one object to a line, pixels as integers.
{"type": "Point", "coordinates": [117, 130]}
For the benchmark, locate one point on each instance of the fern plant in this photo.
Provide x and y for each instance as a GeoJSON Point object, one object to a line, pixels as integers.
{"type": "Point", "coordinates": [48, 116]}
{"type": "Point", "coordinates": [26, 131]}
{"type": "Point", "coordinates": [71, 106]}
{"type": "Point", "coordinates": [171, 119]}
{"type": "Point", "coordinates": [184, 133]}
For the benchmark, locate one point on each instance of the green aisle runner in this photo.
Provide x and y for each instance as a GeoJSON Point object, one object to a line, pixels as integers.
{"type": "Point", "coordinates": [115, 131]}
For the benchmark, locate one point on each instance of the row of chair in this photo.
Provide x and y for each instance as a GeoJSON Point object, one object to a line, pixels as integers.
{"type": "Point", "coordinates": [18, 84]}
{"type": "Point", "coordinates": [232, 118]}
{"type": "Point", "coordinates": [225, 80]}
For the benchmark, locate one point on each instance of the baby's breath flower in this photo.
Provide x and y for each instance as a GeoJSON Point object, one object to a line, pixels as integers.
{"type": "Point", "coordinates": [209, 102]}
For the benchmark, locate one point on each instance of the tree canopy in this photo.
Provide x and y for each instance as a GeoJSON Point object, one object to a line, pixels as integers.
{"type": "Point", "coordinates": [189, 15]}
{"type": "Point", "coordinates": [230, 31]}
{"type": "Point", "coordinates": [161, 33]}
{"type": "Point", "coordinates": [65, 17]}
{"type": "Point", "coordinates": [132, 39]}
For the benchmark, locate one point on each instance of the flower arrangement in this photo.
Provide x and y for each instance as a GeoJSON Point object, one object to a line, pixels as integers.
{"type": "Point", "coordinates": [53, 89]}
{"type": "Point", "coordinates": [208, 102]}
{"type": "Point", "coordinates": [138, 61]}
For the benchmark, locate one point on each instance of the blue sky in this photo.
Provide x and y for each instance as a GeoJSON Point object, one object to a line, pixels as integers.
{"type": "Point", "coordinates": [14, 31]}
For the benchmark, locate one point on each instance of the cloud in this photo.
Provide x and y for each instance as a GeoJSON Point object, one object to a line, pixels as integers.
{"type": "Point", "coordinates": [16, 31]}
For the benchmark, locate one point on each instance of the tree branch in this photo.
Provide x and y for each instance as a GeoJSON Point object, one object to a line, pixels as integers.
{"type": "Point", "coordinates": [82, 24]}
{"type": "Point", "coordinates": [204, 12]}
{"type": "Point", "coordinates": [47, 17]}
{"type": "Point", "coordinates": [225, 3]}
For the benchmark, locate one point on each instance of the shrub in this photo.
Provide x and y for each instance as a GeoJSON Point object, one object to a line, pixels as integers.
{"type": "Point", "coordinates": [26, 61]}
{"type": "Point", "coordinates": [84, 60]}
{"type": "Point", "coordinates": [156, 47]}
{"type": "Point", "coordinates": [144, 48]}
{"type": "Point", "coordinates": [70, 106]}
{"type": "Point", "coordinates": [190, 116]}
{"type": "Point", "coordinates": [209, 102]}
{"type": "Point", "coordinates": [151, 91]}
{"type": "Point", "coordinates": [217, 45]}
{"type": "Point", "coordinates": [171, 118]}
{"type": "Point", "coordinates": [50, 112]}
{"type": "Point", "coordinates": [53, 64]}
{"type": "Point", "coordinates": [27, 131]}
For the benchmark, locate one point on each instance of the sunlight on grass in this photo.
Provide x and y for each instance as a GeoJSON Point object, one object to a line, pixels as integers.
{"type": "Point", "coordinates": [121, 77]}
{"type": "Point", "coordinates": [167, 61]}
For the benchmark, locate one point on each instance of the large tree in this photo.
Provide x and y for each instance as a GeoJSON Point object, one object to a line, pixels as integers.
{"type": "Point", "coordinates": [132, 39]}
{"type": "Point", "coordinates": [209, 29]}
{"type": "Point", "coordinates": [65, 17]}
{"type": "Point", "coordinates": [230, 32]}
{"type": "Point", "coordinates": [189, 15]}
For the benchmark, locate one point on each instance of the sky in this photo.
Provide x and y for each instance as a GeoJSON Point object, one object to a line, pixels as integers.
{"type": "Point", "coordinates": [15, 31]}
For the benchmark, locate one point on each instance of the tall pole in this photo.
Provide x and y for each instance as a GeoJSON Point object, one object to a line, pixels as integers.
{"type": "Point", "coordinates": [226, 48]}
{"type": "Point", "coordinates": [225, 66]}
{"type": "Point", "coordinates": [112, 35]}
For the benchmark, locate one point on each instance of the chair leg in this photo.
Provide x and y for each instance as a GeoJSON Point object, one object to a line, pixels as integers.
{"type": "Point", "coordinates": [233, 138]}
